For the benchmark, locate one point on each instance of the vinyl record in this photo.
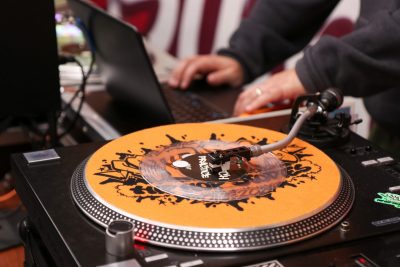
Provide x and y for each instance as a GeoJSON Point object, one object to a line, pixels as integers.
{"type": "Point", "coordinates": [182, 169]}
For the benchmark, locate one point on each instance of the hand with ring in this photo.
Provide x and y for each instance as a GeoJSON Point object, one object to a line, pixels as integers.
{"type": "Point", "coordinates": [216, 69]}
{"type": "Point", "coordinates": [280, 86]}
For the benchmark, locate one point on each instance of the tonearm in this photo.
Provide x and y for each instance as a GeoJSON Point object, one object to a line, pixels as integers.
{"type": "Point", "coordinates": [317, 107]}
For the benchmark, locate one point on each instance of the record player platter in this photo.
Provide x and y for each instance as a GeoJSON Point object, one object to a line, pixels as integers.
{"type": "Point", "coordinates": [157, 179]}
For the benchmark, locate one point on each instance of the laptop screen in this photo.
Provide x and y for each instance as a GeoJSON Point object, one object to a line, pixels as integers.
{"type": "Point", "coordinates": [123, 62]}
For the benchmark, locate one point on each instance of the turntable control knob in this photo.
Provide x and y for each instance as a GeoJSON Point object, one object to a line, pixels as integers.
{"type": "Point", "coordinates": [353, 151]}
{"type": "Point", "coordinates": [119, 238]}
{"type": "Point", "coordinates": [345, 226]}
{"type": "Point", "coordinates": [368, 148]}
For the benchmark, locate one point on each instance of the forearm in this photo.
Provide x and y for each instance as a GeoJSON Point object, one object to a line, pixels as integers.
{"type": "Point", "coordinates": [362, 63]}
{"type": "Point", "coordinates": [275, 30]}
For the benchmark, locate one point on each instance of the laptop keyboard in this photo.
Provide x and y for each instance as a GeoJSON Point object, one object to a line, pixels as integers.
{"type": "Point", "coordinates": [189, 107]}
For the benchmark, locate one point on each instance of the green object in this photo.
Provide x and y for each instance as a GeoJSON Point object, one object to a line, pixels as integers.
{"type": "Point", "coordinates": [389, 199]}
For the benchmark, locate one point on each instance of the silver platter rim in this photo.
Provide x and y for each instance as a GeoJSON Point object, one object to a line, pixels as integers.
{"type": "Point", "coordinates": [209, 239]}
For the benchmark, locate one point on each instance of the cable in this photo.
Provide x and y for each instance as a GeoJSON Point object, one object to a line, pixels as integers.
{"type": "Point", "coordinates": [81, 92]}
{"type": "Point", "coordinates": [40, 135]}
{"type": "Point", "coordinates": [85, 77]}
{"type": "Point", "coordinates": [63, 59]}
{"type": "Point", "coordinates": [35, 133]}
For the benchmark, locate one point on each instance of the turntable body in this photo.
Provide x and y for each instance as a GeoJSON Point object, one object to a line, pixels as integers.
{"type": "Point", "coordinates": [240, 233]}
{"type": "Point", "coordinates": [133, 178]}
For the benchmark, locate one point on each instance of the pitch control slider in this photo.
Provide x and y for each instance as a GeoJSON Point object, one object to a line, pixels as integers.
{"type": "Point", "coordinates": [219, 157]}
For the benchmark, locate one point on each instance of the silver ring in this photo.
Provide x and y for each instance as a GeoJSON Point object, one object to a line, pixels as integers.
{"type": "Point", "coordinates": [258, 91]}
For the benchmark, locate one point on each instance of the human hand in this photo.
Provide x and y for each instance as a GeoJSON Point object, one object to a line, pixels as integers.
{"type": "Point", "coordinates": [281, 86]}
{"type": "Point", "coordinates": [219, 70]}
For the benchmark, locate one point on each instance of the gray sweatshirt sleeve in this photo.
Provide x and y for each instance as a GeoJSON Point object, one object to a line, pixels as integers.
{"type": "Point", "coordinates": [275, 30]}
{"type": "Point", "coordinates": [361, 63]}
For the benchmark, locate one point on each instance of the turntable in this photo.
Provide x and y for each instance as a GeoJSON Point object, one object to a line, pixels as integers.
{"type": "Point", "coordinates": [293, 206]}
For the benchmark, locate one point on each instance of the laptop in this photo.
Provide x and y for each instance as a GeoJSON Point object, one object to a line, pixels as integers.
{"type": "Point", "coordinates": [129, 76]}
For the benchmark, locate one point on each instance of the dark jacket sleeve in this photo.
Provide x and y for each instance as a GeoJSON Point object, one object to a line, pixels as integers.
{"type": "Point", "coordinates": [362, 63]}
{"type": "Point", "coordinates": [275, 30]}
